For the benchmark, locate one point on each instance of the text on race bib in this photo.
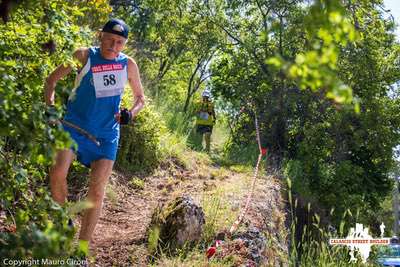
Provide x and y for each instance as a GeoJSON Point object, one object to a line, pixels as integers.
{"type": "Point", "coordinates": [109, 79]}
{"type": "Point", "coordinates": [203, 115]}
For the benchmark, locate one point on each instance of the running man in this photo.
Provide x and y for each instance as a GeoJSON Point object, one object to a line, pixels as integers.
{"type": "Point", "coordinates": [94, 107]}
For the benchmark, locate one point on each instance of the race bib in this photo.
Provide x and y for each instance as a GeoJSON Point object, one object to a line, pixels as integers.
{"type": "Point", "coordinates": [203, 115]}
{"type": "Point", "coordinates": [109, 79]}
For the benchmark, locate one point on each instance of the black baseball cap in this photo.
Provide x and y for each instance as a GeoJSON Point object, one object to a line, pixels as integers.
{"type": "Point", "coordinates": [116, 26]}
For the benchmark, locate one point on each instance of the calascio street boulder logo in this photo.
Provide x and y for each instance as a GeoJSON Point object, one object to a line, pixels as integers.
{"type": "Point", "coordinates": [360, 240]}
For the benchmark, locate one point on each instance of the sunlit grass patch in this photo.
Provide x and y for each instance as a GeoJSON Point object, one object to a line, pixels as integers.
{"type": "Point", "coordinates": [137, 183]}
{"type": "Point", "coordinates": [112, 196]}
{"type": "Point", "coordinates": [241, 168]}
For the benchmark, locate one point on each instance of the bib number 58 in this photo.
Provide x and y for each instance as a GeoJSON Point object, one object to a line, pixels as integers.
{"type": "Point", "coordinates": [109, 79]}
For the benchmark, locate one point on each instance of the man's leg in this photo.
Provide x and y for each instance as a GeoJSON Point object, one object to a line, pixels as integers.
{"type": "Point", "coordinates": [58, 175]}
{"type": "Point", "coordinates": [207, 137]}
{"type": "Point", "coordinates": [100, 172]}
{"type": "Point", "coordinates": [196, 139]}
{"type": "Point", "coordinates": [201, 141]}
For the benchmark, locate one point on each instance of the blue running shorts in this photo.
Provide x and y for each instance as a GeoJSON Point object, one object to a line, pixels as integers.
{"type": "Point", "coordinates": [87, 151]}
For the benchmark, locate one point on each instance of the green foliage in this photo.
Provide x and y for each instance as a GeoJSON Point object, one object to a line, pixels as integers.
{"type": "Point", "coordinates": [245, 153]}
{"type": "Point", "coordinates": [42, 229]}
{"type": "Point", "coordinates": [173, 63]}
{"type": "Point", "coordinates": [176, 120]}
{"type": "Point", "coordinates": [140, 143]}
{"type": "Point", "coordinates": [328, 27]}
{"type": "Point", "coordinates": [38, 36]}
{"type": "Point", "coordinates": [42, 232]}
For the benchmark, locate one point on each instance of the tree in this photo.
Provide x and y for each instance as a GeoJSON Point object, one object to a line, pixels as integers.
{"type": "Point", "coordinates": [294, 66]}
{"type": "Point", "coordinates": [170, 39]}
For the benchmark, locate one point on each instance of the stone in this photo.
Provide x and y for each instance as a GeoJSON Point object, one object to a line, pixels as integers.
{"type": "Point", "coordinates": [255, 242]}
{"type": "Point", "coordinates": [248, 246]}
{"type": "Point", "coordinates": [177, 224]}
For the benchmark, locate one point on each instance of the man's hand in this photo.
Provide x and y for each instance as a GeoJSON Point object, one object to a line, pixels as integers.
{"type": "Point", "coordinates": [124, 117]}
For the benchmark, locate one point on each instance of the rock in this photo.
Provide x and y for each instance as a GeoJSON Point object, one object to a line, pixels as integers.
{"type": "Point", "coordinates": [177, 224]}
{"type": "Point", "coordinates": [255, 242]}
{"type": "Point", "coordinates": [247, 247]}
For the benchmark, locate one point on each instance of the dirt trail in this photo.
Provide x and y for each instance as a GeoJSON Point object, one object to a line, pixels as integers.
{"type": "Point", "coordinates": [119, 238]}
{"type": "Point", "coordinates": [120, 235]}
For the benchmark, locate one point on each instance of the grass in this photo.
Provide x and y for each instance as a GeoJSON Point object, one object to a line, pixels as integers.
{"type": "Point", "coordinates": [218, 212]}
{"type": "Point", "coordinates": [220, 135]}
{"type": "Point", "coordinates": [219, 174]}
{"type": "Point", "coordinates": [239, 168]}
{"type": "Point", "coordinates": [173, 145]}
{"type": "Point", "coordinates": [111, 194]}
{"type": "Point", "coordinates": [313, 249]}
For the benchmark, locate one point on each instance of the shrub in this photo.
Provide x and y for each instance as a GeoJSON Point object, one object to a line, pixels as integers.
{"type": "Point", "coordinates": [140, 142]}
{"type": "Point", "coordinates": [38, 36]}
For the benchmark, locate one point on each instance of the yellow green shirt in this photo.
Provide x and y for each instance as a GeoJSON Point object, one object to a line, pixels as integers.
{"type": "Point", "coordinates": [205, 113]}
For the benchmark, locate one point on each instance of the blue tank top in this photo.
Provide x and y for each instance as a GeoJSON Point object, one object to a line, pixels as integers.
{"type": "Point", "coordinates": [96, 97]}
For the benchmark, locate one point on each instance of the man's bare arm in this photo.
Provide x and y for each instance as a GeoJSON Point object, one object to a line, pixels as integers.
{"type": "Point", "coordinates": [59, 73]}
{"type": "Point", "coordinates": [136, 86]}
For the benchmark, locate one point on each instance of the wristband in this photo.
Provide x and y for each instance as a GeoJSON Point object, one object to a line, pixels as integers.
{"type": "Point", "coordinates": [125, 116]}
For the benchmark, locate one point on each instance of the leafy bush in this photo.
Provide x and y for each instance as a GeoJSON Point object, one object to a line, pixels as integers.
{"type": "Point", "coordinates": [140, 142]}
{"type": "Point", "coordinates": [38, 36]}
{"type": "Point", "coordinates": [42, 232]}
